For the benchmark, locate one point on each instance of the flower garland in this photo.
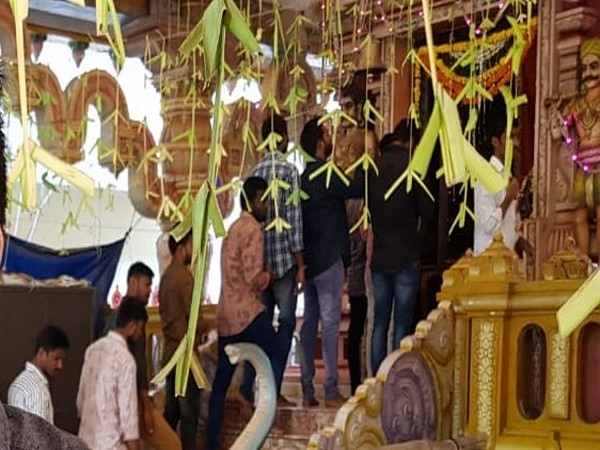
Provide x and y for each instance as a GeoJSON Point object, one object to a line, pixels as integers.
{"type": "Point", "coordinates": [491, 79]}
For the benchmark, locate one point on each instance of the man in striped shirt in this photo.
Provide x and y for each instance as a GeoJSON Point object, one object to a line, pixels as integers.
{"type": "Point", "coordinates": [29, 391]}
{"type": "Point", "coordinates": [283, 250]}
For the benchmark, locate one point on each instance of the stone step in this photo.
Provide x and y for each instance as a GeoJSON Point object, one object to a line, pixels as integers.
{"type": "Point", "coordinates": [292, 429]}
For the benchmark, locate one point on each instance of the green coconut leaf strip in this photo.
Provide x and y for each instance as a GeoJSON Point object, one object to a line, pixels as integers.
{"type": "Point", "coordinates": [422, 155]}
{"type": "Point", "coordinates": [68, 172]}
{"type": "Point", "coordinates": [27, 175]}
{"type": "Point", "coordinates": [20, 9]}
{"type": "Point", "coordinates": [236, 24]}
{"type": "Point", "coordinates": [193, 40]}
{"type": "Point", "coordinates": [118, 46]}
{"type": "Point", "coordinates": [279, 225]}
{"type": "Point", "coordinates": [480, 169]}
{"type": "Point", "coordinates": [215, 216]}
{"type": "Point", "coordinates": [579, 306]}
{"type": "Point", "coordinates": [162, 374]}
{"type": "Point", "coordinates": [451, 140]}
{"type": "Point", "coordinates": [296, 197]}
{"type": "Point", "coordinates": [472, 122]}
{"type": "Point", "coordinates": [396, 184]}
{"type": "Point", "coordinates": [213, 15]}
{"type": "Point", "coordinates": [15, 170]}
{"type": "Point", "coordinates": [198, 373]}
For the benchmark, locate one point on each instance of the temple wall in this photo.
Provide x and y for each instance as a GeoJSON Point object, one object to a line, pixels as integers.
{"type": "Point", "coordinates": [563, 26]}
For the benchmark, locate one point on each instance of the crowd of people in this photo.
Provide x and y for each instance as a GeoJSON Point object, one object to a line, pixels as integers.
{"type": "Point", "coordinates": [263, 271]}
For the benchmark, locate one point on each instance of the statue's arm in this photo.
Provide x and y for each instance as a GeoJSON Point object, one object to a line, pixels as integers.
{"type": "Point", "coordinates": [562, 110]}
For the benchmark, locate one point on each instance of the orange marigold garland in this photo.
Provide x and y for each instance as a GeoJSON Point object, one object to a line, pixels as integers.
{"type": "Point", "coordinates": [491, 79]}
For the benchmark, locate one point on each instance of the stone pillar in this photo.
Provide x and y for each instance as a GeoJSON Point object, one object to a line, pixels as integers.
{"type": "Point", "coordinates": [573, 25]}
{"type": "Point", "coordinates": [560, 33]}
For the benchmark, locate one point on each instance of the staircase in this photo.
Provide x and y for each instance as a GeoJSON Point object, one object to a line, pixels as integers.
{"type": "Point", "coordinates": [293, 426]}
{"type": "Point", "coordinates": [291, 431]}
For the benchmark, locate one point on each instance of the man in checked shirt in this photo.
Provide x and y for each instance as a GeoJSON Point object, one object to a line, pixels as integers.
{"type": "Point", "coordinates": [283, 251]}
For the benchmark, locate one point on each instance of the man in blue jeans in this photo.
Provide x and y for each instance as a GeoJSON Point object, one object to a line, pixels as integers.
{"type": "Point", "coordinates": [283, 251]}
{"type": "Point", "coordinates": [399, 224]}
{"type": "Point", "coordinates": [241, 316]}
{"type": "Point", "coordinates": [326, 248]}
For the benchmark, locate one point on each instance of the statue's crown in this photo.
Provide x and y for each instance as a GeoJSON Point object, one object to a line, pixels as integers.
{"type": "Point", "coordinates": [590, 47]}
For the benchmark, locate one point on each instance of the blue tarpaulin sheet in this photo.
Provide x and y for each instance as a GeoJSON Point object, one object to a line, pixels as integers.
{"type": "Point", "coordinates": [94, 264]}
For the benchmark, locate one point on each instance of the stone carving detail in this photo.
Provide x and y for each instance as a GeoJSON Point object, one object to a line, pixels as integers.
{"type": "Point", "coordinates": [545, 87]}
{"type": "Point", "coordinates": [559, 377]}
{"type": "Point", "coordinates": [564, 168]}
{"type": "Point", "coordinates": [409, 410]}
{"type": "Point", "coordinates": [485, 349]}
{"type": "Point", "coordinates": [411, 397]}
{"type": "Point", "coordinates": [438, 348]}
{"type": "Point", "coordinates": [362, 423]}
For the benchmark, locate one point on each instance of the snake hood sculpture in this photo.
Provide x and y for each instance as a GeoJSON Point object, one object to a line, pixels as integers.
{"type": "Point", "coordinates": [256, 431]}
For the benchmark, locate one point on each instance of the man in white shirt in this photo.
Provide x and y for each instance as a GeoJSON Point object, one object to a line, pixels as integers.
{"type": "Point", "coordinates": [107, 398]}
{"type": "Point", "coordinates": [29, 391]}
{"type": "Point", "coordinates": [498, 212]}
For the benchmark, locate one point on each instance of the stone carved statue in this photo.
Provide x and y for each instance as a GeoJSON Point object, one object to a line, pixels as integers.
{"type": "Point", "coordinates": [577, 121]}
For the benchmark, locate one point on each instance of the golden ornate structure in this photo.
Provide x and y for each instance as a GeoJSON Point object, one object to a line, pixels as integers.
{"type": "Point", "coordinates": [489, 361]}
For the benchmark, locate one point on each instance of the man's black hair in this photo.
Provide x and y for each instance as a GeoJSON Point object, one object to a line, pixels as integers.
{"type": "Point", "coordinates": [130, 310]}
{"type": "Point", "coordinates": [253, 186]}
{"type": "Point", "coordinates": [495, 126]}
{"type": "Point", "coordinates": [390, 141]}
{"type": "Point", "coordinates": [173, 244]}
{"type": "Point", "coordinates": [276, 124]}
{"type": "Point", "coordinates": [139, 269]}
{"type": "Point", "coordinates": [51, 338]}
{"type": "Point", "coordinates": [311, 134]}
{"type": "Point", "coordinates": [406, 130]}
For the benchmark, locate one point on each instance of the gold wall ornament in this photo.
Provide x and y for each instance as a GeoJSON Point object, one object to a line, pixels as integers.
{"type": "Point", "coordinates": [458, 272]}
{"type": "Point", "coordinates": [461, 376]}
{"type": "Point", "coordinates": [567, 264]}
{"type": "Point", "coordinates": [558, 377]}
{"type": "Point", "coordinates": [497, 262]}
{"type": "Point", "coordinates": [486, 372]}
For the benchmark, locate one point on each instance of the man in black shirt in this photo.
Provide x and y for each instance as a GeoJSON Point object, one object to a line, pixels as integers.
{"type": "Point", "coordinates": [398, 226]}
{"type": "Point", "coordinates": [326, 245]}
